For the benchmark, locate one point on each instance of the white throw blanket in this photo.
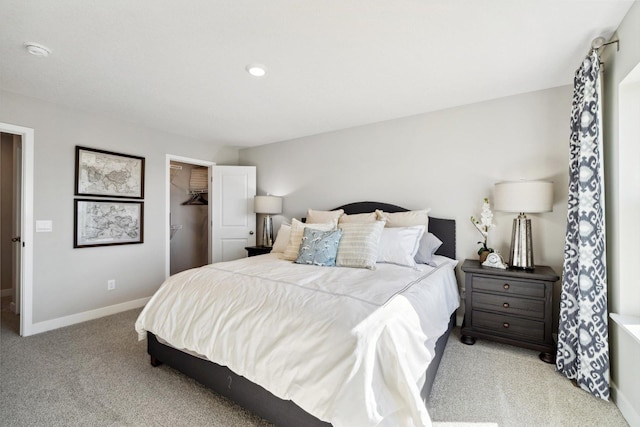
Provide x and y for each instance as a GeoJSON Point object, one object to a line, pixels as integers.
{"type": "Point", "coordinates": [349, 346]}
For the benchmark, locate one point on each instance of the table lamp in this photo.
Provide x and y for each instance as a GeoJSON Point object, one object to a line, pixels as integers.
{"type": "Point", "coordinates": [269, 205]}
{"type": "Point", "coordinates": [522, 197]}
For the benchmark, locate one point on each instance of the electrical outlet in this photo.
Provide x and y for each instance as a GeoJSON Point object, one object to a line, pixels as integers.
{"type": "Point", "coordinates": [111, 284]}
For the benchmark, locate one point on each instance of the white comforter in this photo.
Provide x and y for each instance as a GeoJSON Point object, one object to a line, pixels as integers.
{"type": "Point", "coordinates": [349, 346]}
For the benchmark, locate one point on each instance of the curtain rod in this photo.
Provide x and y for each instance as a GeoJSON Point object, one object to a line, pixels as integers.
{"type": "Point", "coordinates": [599, 42]}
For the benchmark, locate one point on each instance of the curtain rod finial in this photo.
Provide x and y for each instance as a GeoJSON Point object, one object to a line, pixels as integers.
{"type": "Point", "coordinates": [598, 42]}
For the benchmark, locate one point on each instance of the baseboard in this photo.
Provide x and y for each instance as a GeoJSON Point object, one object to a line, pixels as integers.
{"type": "Point", "coordinates": [6, 293]}
{"type": "Point", "coordinates": [60, 322]}
{"type": "Point", "coordinates": [626, 407]}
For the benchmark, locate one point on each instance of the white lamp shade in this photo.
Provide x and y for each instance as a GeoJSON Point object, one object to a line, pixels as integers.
{"type": "Point", "coordinates": [523, 196]}
{"type": "Point", "coordinates": [267, 204]}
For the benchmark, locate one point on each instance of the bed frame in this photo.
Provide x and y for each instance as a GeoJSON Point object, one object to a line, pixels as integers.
{"type": "Point", "coordinates": [258, 400]}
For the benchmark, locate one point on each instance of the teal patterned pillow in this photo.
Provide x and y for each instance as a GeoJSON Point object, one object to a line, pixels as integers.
{"type": "Point", "coordinates": [319, 247]}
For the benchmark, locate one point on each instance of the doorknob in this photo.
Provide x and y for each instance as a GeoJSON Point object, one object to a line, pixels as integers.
{"type": "Point", "coordinates": [251, 233]}
{"type": "Point", "coordinates": [16, 239]}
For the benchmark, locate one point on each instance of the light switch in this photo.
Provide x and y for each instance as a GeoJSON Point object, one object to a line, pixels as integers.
{"type": "Point", "coordinates": [44, 226]}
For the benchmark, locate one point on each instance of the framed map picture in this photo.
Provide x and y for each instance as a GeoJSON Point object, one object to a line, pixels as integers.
{"type": "Point", "coordinates": [107, 222]}
{"type": "Point", "coordinates": [106, 174]}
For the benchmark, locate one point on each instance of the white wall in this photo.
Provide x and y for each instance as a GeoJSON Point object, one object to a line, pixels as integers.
{"type": "Point", "coordinates": [447, 160]}
{"type": "Point", "coordinates": [622, 157]}
{"type": "Point", "coordinates": [69, 281]}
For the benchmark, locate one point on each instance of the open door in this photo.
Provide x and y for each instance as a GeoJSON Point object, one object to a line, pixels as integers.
{"type": "Point", "coordinates": [10, 217]}
{"type": "Point", "coordinates": [234, 221]}
{"type": "Point", "coordinates": [16, 255]}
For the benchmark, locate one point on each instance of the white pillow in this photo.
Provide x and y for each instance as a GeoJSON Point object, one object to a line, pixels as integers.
{"type": "Point", "coordinates": [359, 244]}
{"type": "Point", "coordinates": [295, 238]}
{"type": "Point", "coordinates": [439, 260]}
{"type": "Point", "coordinates": [399, 245]}
{"type": "Point", "coordinates": [282, 239]}
{"type": "Point", "coordinates": [428, 246]}
{"type": "Point", "coordinates": [323, 217]}
{"type": "Point", "coordinates": [405, 219]}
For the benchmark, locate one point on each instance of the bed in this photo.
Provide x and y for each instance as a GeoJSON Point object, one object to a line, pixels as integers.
{"type": "Point", "coordinates": [330, 381]}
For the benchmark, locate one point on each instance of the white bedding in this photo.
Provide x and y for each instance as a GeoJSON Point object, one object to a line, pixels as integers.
{"type": "Point", "coordinates": [349, 346]}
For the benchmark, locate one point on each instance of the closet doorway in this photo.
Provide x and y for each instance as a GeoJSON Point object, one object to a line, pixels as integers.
{"type": "Point", "coordinates": [10, 218]}
{"type": "Point", "coordinates": [17, 226]}
{"type": "Point", "coordinates": [189, 222]}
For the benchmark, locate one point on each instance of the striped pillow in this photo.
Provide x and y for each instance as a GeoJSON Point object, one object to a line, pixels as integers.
{"type": "Point", "coordinates": [359, 244]}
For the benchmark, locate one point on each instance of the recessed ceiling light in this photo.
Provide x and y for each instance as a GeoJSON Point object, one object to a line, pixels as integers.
{"type": "Point", "coordinates": [37, 49]}
{"type": "Point", "coordinates": [256, 70]}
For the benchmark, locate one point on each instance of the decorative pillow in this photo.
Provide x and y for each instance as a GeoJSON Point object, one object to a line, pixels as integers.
{"type": "Point", "coordinates": [282, 239]}
{"type": "Point", "coordinates": [323, 217]}
{"type": "Point", "coordinates": [297, 229]}
{"type": "Point", "coordinates": [319, 247]}
{"type": "Point", "coordinates": [359, 244]}
{"type": "Point", "coordinates": [364, 217]}
{"type": "Point", "coordinates": [405, 219]}
{"type": "Point", "coordinates": [429, 244]}
{"type": "Point", "coordinates": [399, 245]}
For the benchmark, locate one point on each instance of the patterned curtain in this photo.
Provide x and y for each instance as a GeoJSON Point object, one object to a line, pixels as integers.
{"type": "Point", "coordinates": [583, 350]}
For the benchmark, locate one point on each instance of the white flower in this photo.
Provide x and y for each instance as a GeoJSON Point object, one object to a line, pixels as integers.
{"type": "Point", "coordinates": [485, 223]}
{"type": "Point", "coordinates": [487, 216]}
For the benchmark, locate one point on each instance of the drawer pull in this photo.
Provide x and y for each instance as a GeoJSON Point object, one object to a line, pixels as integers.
{"type": "Point", "coordinates": [505, 305]}
{"type": "Point", "coordinates": [506, 286]}
{"type": "Point", "coordinates": [506, 325]}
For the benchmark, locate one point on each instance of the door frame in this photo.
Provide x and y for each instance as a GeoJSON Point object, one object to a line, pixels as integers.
{"type": "Point", "coordinates": [167, 209]}
{"type": "Point", "coordinates": [26, 235]}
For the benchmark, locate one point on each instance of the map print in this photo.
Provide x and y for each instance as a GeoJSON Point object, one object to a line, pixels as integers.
{"type": "Point", "coordinates": [107, 174]}
{"type": "Point", "coordinates": [101, 222]}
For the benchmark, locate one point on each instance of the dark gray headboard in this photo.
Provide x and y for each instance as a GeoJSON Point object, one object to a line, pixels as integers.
{"type": "Point", "coordinates": [444, 229]}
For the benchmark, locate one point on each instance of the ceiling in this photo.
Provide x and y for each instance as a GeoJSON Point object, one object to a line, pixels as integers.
{"type": "Point", "coordinates": [179, 66]}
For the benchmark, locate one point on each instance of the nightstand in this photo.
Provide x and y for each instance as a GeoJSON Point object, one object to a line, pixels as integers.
{"type": "Point", "coordinates": [510, 306]}
{"type": "Point", "coordinates": [258, 250]}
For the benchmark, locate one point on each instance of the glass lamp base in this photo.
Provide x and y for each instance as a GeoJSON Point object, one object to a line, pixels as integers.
{"type": "Point", "coordinates": [521, 255]}
{"type": "Point", "coordinates": [267, 231]}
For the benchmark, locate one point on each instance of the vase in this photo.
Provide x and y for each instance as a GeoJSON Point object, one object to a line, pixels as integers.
{"type": "Point", "coordinates": [484, 255]}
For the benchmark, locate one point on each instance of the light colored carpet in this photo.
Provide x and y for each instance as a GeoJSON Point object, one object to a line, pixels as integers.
{"type": "Point", "coordinates": [510, 386]}
{"type": "Point", "coordinates": [446, 424]}
{"type": "Point", "coordinates": [98, 374]}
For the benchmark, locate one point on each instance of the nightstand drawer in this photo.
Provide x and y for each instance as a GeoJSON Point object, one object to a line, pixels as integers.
{"type": "Point", "coordinates": [509, 305]}
{"type": "Point", "coordinates": [508, 286]}
{"type": "Point", "coordinates": [508, 325]}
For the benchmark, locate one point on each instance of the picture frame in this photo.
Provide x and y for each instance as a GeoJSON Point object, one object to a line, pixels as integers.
{"type": "Point", "coordinates": [107, 222]}
{"type": "Point", "coordinates": [100, 173]}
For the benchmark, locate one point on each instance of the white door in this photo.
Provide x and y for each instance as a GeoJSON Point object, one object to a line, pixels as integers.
{"type": "Point", "coordinates": [234, 221]}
